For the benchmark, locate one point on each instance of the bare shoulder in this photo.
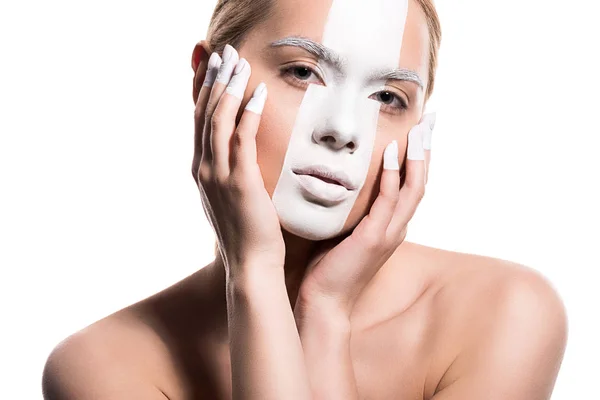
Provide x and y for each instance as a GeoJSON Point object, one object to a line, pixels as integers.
{"type": "Point", "coordinates": [128, 354]}
{"type": "Point", "coordinates": [116, 357]}
{"type": "Point", "coordinates": [508, 323]}
{"type": "Point", "coordinates": [489, 288]}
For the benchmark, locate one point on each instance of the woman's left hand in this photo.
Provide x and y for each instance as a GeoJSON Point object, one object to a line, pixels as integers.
{"type": "Point", "coordinates": [341, 268]}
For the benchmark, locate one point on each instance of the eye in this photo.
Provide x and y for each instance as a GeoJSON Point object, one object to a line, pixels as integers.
{"type": "Point", "coordinates": [385, 97]}
{"type": "Point", "coordinates": [301, 75]}
{"type": "Point", "coordinates": [391, 102]}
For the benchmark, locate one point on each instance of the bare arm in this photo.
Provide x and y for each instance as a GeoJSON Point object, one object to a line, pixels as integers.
{"type": "Point", "coordinates": [267, 360]}
{"type": "Point", "coordinates": [266, 355]}
{"type": "Point", "coordinates": [325, 333]}
{"type": "Point", "coordinates": [341, 268]}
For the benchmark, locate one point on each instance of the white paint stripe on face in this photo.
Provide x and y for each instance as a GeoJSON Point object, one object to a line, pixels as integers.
{"type": "Point", "coordinates": [336, 124]}
{"type": "Point", "coordinates": [368, 33]}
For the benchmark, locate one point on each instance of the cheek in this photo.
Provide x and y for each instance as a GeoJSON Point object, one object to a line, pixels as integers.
{"type": "Point", "coordinates": [387, 130]}
{"type": "Point", "coordinates": [275, 130]}
{"type": "Point", "coordinates": [394, 128]}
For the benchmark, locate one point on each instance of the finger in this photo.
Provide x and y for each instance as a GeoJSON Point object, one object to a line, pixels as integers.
{"type": "Point", "coordinates": [214, 63]}
{"type": "Point", "coordinates": [230, 60]}
{"type": "Point", "coordinates": [414, 186]}
{"type": "Point", "coordinates": [243, 157]}
{"type": "Point", "coordinates": [382, 210]}
{"type": "Point", "coordinates": [429, 120]}
{"type": "Point", "coordinates": [427, 154]}
{"type": "Point", "coordinates": [225, 115]}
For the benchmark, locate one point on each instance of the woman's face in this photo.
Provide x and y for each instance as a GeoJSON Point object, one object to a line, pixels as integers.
{"type": "Point", "coordinates": [327, 65]}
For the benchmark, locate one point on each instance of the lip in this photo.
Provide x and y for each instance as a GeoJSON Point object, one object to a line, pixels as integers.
{"type": "Point", "coordinates": [327, 175]}
{"type": "Point", "coordinates": [321, 192]}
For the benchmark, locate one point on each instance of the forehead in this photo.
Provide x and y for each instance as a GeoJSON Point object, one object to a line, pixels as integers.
{"type": "Point", "coordinates": [374, 29]}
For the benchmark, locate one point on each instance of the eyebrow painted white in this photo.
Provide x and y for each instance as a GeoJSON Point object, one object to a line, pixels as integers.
{"type": "Point", "coordinates": [329, 56]}
{"type": "Point", "coordinates": [317, 49]}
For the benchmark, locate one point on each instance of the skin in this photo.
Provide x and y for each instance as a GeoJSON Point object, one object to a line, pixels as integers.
{"type": "Point", "coordinates": [424, 323]}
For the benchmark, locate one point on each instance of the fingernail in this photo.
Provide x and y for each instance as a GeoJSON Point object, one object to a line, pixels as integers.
{"type": "Point", "coordinates": [415, 144]}
{"type": "Point", "coordinates": [259, 97]}
{"type": "Point", "coordinates": [390, 156]}
{"type": "Point", "coordinates": [427, 139]}
{"type": "Point", "coordinates": [429, 122]}
{"type": "Point", "coordinates": [214, 62]}
{"type": "Point", "coordinates": [230, 59]}
{"type": "Point", "coordinates": [239, 81]}
{"type": "Point", "coordinates": [241, 66]}
{"type": "Point", "coordinates": [430, 119]}
{"type": "Point", "coordinates": [228, 53]}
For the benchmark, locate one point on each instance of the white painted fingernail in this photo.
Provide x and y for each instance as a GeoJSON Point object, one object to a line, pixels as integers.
{"type": "Point", "coordinates": [390, 156]}
{"type": "Point", "coordinates": [228, 53]}
{"type": "Point", "coordinates": [429, 123]}
{"type": "Point", "coordinates": [430, 119]}
{"type": "Point", "coordinates": [240, 67]}
{"type": "Point", "coordinates": [239, 81]}
{"type": "Point", "coordinates": [214, 62]}
{"type": "Point", "coordinates": [230, 60]}
{"type": "Point", "coordinates": [415, 144]}
{"type": "Point", "coordinates": [259, 97]}
{"type": "Point", "coordinates": [427, 140]}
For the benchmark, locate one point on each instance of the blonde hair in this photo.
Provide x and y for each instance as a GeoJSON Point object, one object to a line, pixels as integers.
{"type": "Point", "coordinates": [233, 19]}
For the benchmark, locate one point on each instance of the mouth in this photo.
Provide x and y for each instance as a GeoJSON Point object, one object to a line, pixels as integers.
{"type": "Point", "coordinates": [327, 175]}
{"type": "Point", "coordinates": [325, 179]}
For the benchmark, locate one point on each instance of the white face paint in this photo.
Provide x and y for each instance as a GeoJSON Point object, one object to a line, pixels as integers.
{"type": "Point", "coordinates": [336, 123]}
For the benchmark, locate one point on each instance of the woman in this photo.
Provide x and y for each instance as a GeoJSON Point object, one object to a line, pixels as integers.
{"type": "Point", "coordinates": [303, 112]}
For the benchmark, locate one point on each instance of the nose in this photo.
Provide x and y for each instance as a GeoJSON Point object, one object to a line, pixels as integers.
{"type": "Point", "coordinates": [340, 131]}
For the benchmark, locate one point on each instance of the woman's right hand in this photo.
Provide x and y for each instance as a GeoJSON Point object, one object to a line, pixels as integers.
{"type": "Point", "coordinates": [225, 168]}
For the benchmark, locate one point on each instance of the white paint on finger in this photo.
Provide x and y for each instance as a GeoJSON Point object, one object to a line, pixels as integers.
{"type": "Point", "coordinates": [390, 156]}
{"type": "Point", "coordinates": [230, 60]}
{"type": "Point", "coordinates": [415, 143]}
{"type": "Point", "coordinates": [257, 102]}
{"type": "Point", "coordinates": [239, 81]}
{"type": "Point", "coordinates": [214, 63]}
{"type": "Point", "coordinates": [429, 121]}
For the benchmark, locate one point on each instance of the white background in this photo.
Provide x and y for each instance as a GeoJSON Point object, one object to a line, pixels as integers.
{"type": "Point", "coordinates": [98, 208]}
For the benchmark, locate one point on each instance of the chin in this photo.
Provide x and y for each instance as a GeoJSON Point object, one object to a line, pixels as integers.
{"type": "Point", "coordinates": [306, 216]}
{"type": "Point", "coordinates": [308, 232]}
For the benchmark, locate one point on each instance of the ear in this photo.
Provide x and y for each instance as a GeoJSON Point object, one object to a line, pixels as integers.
{"type": "Point", "coordinates": [200, 57]}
